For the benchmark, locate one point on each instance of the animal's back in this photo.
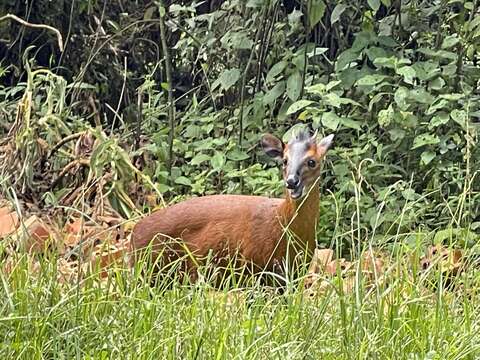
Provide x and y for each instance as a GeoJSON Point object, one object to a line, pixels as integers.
{"type": "Point", "coordinates": [218, 223]}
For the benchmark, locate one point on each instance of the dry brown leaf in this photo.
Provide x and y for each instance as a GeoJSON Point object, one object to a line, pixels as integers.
{"type": "Point", "coordinates": [8, 222]}
{"type": "Point", "coordinates": [448, 260]}
{"type": "Point", "coordinates": [320, 259]}
{"type": "Point", "coordinates": [105, 257]}
{"type": "Point", "coordinates": [341, 263]}
{"type": "Point", "coordinates": [34, 235]}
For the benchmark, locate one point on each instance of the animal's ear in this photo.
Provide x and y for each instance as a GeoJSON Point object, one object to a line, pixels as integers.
{"type": "Point", "coordinates": [324, 144]}
{"type": "Point", "coordinates": [272, 146]}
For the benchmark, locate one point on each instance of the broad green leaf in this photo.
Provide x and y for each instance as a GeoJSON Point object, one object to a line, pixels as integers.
{"type": "Point", "coordinates": [371, 80]}
{"type": "Point", "coordinates": [334, 100]}
{"type": "Point", "coordinates": [193, 131]}
{"type": "Point", "coordinates": [330, 120]}
{"type": "Point", "coordinates": [409, 194]}
{"type": "Point", "coordinates": [387, 3]}
{"type": "Point", "coordinates": [362, 40]}
{"type": "Point", "coordinates": [350, 76]}
{"type": "Point", "coordinates": [420, 95]}
{"type": "Point", "coordinates": [425, 139]}
{"type": "Point", "coordinates": [237, 155]}
{"type": "Point", "coordinates": [332, 84]}
{"type": "Point", "coordinates": [349, 123]}
{"type": "Point", "coordinates": [452, 97]}
{"type": "Point", "coordinates": [240, 41]}
{"type": "Point", "coordinates": [427, 157]}
{"type": "Point", "coordinates": [227, 79]}
{"type": "Point", "coordinates": [387, 41]}
{"type": "Point", "coordinates": [182, 180]}
{"type": "Point", "coordinates": [396, 134]}
{"type": "Point", "coordinates": [438, 54]}
{"type": "Point", "coordinates": [375, 100]}
{"type": "Point", "coordinates": [388, 62]}
{"type": "Point", "coordinates": [385, 116]}
{"type": "Point", "coordinates": [162, 187]}
{"type": "Point", "coordinates": [401, 96]}
{"type": "Point", "coordinates": [474, 23]}
{"type": "Point", "coordinates": [345, 58]}
{"type": "Point", "coordinates": [217, 161]}
{"type": "Point", "coordinates": [198, 159]}
{"type": "Point", "coordinates": [274, 93]}
{"type": "Point", "coordinates": [436, 106]}
{"type": "Point", "coordinates": [375, 52]}
{"type": "Point", "coordinates": [317, 51]}
{"type": "Point", "coordinates": [254, 3]}
{"type": "Point", "coordinates": [317, 10]}
{"type": "Point", "coordinates": [408, 74]}
{"type": "Point", "coordinates": [437, 84]}
{"type": "Point", "coordinates": [450, 41]}
{"type": "Point", "coordinates": [374, 4]}
{"type": "Point", "coordinates": [449, 69]}
{"type": "Point", "coordinates": [148, 14]}
{"type": "Point", "coordinates": [299, 61]}
{"type": "Point", "coordinates": [298, 105]}
{"type": "Point", "coordinates": [407, 119]}
{"type": "Point", "coordinates": [318, 89]}
{"type": "Point", "coordinates": [294, 85]}
{"type": "Point", "coordinates": [337, 12]}
{"type": "Point", "coordinates": [440, 118]}
{"type": "Point", "coordinates": [426, 70]}
{"type": "Point", "coordinates": [460, 117]}
{"type": "Point", "coordinates": [275, 71]}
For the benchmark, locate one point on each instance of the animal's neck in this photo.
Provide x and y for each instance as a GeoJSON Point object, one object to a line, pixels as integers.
{"type": "Point", "coordinates": [300, 216]}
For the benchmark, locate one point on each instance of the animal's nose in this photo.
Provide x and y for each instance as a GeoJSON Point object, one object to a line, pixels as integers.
{"type": "Point", "coordinates": [292, 181]}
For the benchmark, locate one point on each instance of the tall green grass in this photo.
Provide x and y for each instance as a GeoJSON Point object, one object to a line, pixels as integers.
{"type": "Point", "coordinates": [125, 317]}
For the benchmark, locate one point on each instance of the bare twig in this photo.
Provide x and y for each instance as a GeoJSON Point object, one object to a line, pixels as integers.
{"type": "Point", "coordinates": [168, 70]}
{"type": "Point", "coordinates": [67, 168]}
{"type": "Point", "coordinates": [96, 115]}
{"type": "Point", "coordinates": [305, 57]}
{"type": "Point", "coordinates": [36, 26]}
{"type": "Point", "coordinates": [245, 75]}
{"type": "Point", "coordinates": [138, 127]}
{"type": "Point", "coordinates": [64, 141]}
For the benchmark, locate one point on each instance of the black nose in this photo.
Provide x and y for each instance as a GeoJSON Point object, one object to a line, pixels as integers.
{"type": "Point", "coordinates": [292, 182]}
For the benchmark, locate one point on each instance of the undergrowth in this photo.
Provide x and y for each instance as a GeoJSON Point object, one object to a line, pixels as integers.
{"type": "Point", "coordinates": [124, 317]}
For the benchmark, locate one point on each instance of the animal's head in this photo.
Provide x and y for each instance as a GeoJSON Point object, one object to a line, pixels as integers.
{"type": "Point", "coordinates": [301, 159]}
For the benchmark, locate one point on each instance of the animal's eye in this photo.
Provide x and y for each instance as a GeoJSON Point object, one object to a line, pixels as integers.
{"type": "Point", "coordinates": [285, 162]}
{"type": "Point", "coordinates": [311, 163]}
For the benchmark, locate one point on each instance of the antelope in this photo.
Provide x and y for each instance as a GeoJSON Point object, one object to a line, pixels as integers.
{"type": "Point", "coordinates": [254, 228]}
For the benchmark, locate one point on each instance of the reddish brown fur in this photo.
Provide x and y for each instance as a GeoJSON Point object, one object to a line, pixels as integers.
{"type": "Point", "coordinates": [252, 227]}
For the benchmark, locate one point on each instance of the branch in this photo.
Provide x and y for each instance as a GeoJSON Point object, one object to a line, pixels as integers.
{"type": "Point", "coordinates": [168, 70]}
{"type": "Point", "coordinates": [36, 26]}
{"type": "Point", "coordinates": [67, 168]}
{"type": "Point", "coordinates": [64, 141]}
